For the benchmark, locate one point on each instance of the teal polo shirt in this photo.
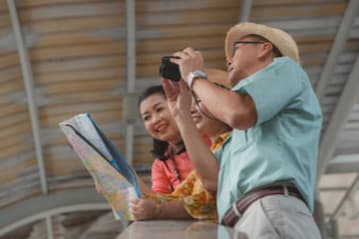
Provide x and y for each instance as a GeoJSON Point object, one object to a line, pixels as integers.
{"type": "Point", "coordinates": [282, 145]}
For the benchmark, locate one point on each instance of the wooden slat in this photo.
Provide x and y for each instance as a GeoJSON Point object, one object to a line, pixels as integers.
{"type": "Point", "coordinates": [11, 109]}
{"type": "Point", "coordinates": [15, 149]}
{"type": "Point", "coordinates": [20, 117]}
{"type": "Point", "coordinates": [3, 5]}
{"type": "Point", "coordinates": [83, 63]}
{"type": "Point", "coordinates": [9, 60]}
{"type": "Point", "coordinates": [81, 97]}
{"type": "Point", "coordinates": [87, 74]}
{"type": "Point", "coordinates": [82, 86]}
{"type": "Point", "coordinates": [65, 52]}
{"type": "Point", "coordinates": [280, 11]}
{"type": "Point", "coordinates": [5, 20]}
{"type": "Point", "coordinates": [353, 45]}
{"type": "Point", "coordinates": [11, 86]}
{"type": "Point", "coordinates": [16, 141]}
{"type": "Point", "coordinates": [64, 166]}
{"type": "Point", "coordinates": [168, 31]}
{"type": "Point", "coordinates": [312, 59]}
{"type": "Point", "coordinates": [10, 73]}
{"type": "Point", "coordinates": [74, 108]}
{"type": "Point", "coordinates": [164, 45]}
{"type": "Point", "coordinates": [292, 2]}
{"type": "Point", "coordinates": [52, 121]}
{"type": "Point", "coordinates": [32, 3]}
{"type": "Point", "coordinates": [88, 10]}
{"type": "Point", "coordinates": [314, 39]}
{"type": "Point", "coordinates": [315, 47]}
{"type": "Point", "coordinates": [184, 5]}
{"type": "Point", "coordinates": [73, 39]}
{"type": "Point", "coordinates": [76, 24]}
{"type": "Point", "coordinates": [22, 128]}
{"type": "Point", "coordinates": [9, 175]}
{"type": "Point", "coordinates": [196, 17]}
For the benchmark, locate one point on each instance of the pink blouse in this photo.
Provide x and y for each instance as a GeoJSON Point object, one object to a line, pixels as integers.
{"type": "Point", "coordinates": [165, 177]}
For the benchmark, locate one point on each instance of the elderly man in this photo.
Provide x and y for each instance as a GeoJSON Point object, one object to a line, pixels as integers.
{"type": "Point", "coordinates": [267, 170]}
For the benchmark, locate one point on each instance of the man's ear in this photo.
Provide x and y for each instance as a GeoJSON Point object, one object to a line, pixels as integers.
{"type": "Point", "coordinates": [265, 49]}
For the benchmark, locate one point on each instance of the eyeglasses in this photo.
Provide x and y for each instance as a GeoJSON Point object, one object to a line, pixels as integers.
{"type": "Point", "coordinates": [237, 43]}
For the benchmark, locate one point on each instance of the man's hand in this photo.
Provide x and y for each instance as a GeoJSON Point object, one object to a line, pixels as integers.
{"type": "Point", "coordinates": [190, 60]}
{"type": "Point", "coordinates": [179, 97]}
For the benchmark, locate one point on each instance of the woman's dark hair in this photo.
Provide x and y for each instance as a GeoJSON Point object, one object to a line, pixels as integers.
{"type": "Point", "coordinates": [159, 147]}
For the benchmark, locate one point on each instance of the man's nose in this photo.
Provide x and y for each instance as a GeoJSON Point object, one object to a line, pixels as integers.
{"type": "Point", "coordinates": [229, 64]}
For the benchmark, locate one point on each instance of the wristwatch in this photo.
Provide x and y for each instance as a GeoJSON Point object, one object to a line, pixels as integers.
{"type": "Point", "coordinates": [195, 75]}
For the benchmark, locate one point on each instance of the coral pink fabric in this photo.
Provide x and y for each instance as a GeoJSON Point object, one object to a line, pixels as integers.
{"type": "Point", "coordinates": [164, 178]}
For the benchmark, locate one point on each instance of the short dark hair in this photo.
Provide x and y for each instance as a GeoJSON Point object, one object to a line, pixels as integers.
{"type": "Point", "coordinates": [275, 49]}
{"type": "Point", "coordinates": [156, 89]}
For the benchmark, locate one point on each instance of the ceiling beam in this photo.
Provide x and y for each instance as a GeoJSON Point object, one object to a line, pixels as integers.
{"type": "Point", "coordinates": [43, 206]}
{"type": "Point", "coordinates": [246, 8]}
{"type": "Point", "coordinates": [343, 164]}
{"type": "Point", "coordinates": [349, 191]}
{"type": "Point", "coordinates": [131, 77]}
{"type": "Point", "coordinates": [30, 93]}
{"type": "Point", "coordinates": [338, 46]}
{"type": "Point", "coordinates": [344, 107]}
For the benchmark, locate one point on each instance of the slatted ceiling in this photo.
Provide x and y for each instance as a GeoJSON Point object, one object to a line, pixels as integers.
{"type": "Point", "coordinates": [3, 6]}
{"type": "Point", "coordinates": [15, 129]}
{"type": "Point", "coordinates": [7, 121]}
{"type": "Point", "coordinates": [181, 18]}
{"type": "Point", "coordinates": [20, 191]}
{"type": "Point", "coordinates": [9, 59]}
{"type": "Point", "coordinates": [81, 74]}
{"type": "Point", "coordinates": [70, 38]}
{"type": "Point", "coordinates": [314, 47]}
{"type": "Point", "coordinates": [312, 60]}
{"type": "Point", "coordinates": [290, 10]}
{"type": "Point", "coordinates": [10, 86]}
{"type": "Point", "coordinates": [80, 179]}
{"type": "Point", "coordinates": [87, 63]}
{"type": "Point", "coordinates": [69, 51]}
{"type": "Point", "coordinates": [15, 149]}
{"type": "Point", "coordinates": [330, 200]}
{"type": "Point", "coordinates": [69, 88]}
{"type": "Point", "coordinates": [155, 6]}
{"type": "Point", "coordinates": [64, 166]}
{"type": "Point", "coordinates": [15, 141]}
{"type": "Point", "coordinates": [31, 3]}
{"type": "Point", "coordinates": [10, 173]}
{"type": "Point", "coordinates": [297, 2]}
{"type": "Point", "coordinates": [168, 31]}
{"type": "Point", "coordinates": [38, 13]}
{"type": "Point", "coordinates": [346, 222]}
{"type": "Point", "coordinates": [4, 20]}
{"type": "Point", "coordinates": [165, 46]}
{"type": "Point", "coordinates": [82, 24]}
{"type": "Point", "coordinates": [103, 119]}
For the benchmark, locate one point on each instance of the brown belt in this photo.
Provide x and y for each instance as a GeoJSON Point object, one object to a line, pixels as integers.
{"type": "Point", "coordinates": [233, 214]}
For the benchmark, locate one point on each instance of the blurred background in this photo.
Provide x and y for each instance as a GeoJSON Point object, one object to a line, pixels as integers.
{"type": "Point", "coordinates": [59, 58]}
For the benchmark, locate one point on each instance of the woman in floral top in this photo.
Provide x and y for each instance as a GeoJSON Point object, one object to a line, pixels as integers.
{"type": "Point", "coordinates": [191, 199]}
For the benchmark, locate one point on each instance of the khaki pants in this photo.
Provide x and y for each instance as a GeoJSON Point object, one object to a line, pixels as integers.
{"type": "Point", "coordinates": [277, 216]}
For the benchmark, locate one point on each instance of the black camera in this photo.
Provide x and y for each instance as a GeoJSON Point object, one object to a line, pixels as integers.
{"type": "Point", "coordinates": [169, 70]}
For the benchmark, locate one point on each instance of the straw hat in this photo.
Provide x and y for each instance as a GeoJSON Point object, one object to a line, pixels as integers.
{"type": "Point", "coordinates": [282, 40]}
{"type": "Point", "coordinates": [217, 76]}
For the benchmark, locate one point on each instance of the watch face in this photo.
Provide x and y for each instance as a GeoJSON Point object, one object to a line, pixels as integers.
{"type": "Point", "coordinates": [200, 74]}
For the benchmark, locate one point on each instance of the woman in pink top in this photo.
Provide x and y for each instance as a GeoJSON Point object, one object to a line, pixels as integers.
{"type": "Point", "coordinates": [172, 164]}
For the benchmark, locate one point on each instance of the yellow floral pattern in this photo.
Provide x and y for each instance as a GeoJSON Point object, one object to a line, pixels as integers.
{"type": "Point", "coordinates": [198, 202]}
